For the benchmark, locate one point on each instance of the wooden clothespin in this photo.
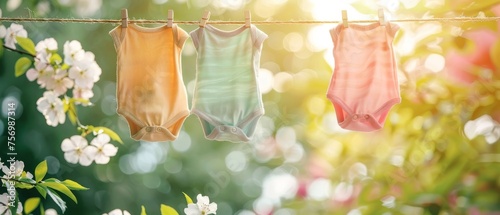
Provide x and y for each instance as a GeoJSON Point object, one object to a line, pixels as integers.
{"type": "Point", "coordinates": [248, 18]}
{"type": "Point", "coordinates": [344, 18]}
{"type": "Point", "coordinates": [381, 16]}
{"type": "Point", "coordinates": [204, 19]}
{"type": "Point", "coordinates": [124, 18]}
{"type": "Point", "coordinates": [170, 18]}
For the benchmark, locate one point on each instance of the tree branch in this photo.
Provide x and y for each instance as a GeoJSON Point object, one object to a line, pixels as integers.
{"type": "Point", "coordinates": [11, 179]}
{"type": "Point", "coordinates": [18, 51]}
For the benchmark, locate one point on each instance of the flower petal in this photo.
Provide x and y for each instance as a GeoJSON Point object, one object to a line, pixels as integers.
{"type": "Point", "coordinates": [67, 145]}
{"type": "Point", "coordinates": [32, 74]}
{"type": "Point", "coordinates": [3, 31]}
{"type": "Point", "coordinates": [212, 208]}
{"type": "Point", "coordinates": [101, 159]}
{"type": "Point", "coordinates": [202, 199]}
{"type": "Point", "coordinates": [109, 150]}
{"type": "Point", "coordinates": [79, 141]}
{"type": "Point", "coordinates": [85, 160]}
{"type": "Point", "coordinates": [192, 209]}
{"type": "Point", "coordinates": [71, 157]}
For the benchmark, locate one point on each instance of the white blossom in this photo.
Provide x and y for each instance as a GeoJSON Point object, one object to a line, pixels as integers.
{"type": "Point", "coordinates": [50, 211]}
{"type": "Point", "coordinates": [45, 48]}
{"type": "Point", "coordinates": [73, 52]}
{"type": "Point", "coordinates": [47, 45]}
{"type": "Point", "coordinates": [13, 4]}
{"type": "Point", "coordinates": [117, 212]}
{"type": "Point", "coordinates": [87, 7]}
{"type": "Point", "coordinates": [202, 206]}
{"type": "Point", "coordinates": [82, 93]}
{"type": "Point", "coordinates": [484, 125]}
{"type": "Point", "coordinates": [42, 8]}
{"type": "Point", "coordinates": [76, 150]}
{"type": "Point", "coordinates": [60, 83]}
{"type": "Point", "coordinates": [44, 72]}
{"type": "Point", "coordinates": [86, 71]}
{"type": "Point", "coordinates": [52, 108]}
{"type": "Point", "coordinates": [4, 205]}
{"type": "Point", "coordinates": [15, 30]}
{"type": "Point", "coordinates": [102, 150]}
{"type": "Point", "coordinates": [3, 30]}
{"type": "Point", "coordinates": [17, 169]}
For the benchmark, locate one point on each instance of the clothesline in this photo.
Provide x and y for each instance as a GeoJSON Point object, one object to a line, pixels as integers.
{"type": "Point", "coordinates": [141, 21]}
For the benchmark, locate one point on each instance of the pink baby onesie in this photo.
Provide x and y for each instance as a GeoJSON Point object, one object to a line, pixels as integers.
{"type": "Point", "coordinates": [364, 84]}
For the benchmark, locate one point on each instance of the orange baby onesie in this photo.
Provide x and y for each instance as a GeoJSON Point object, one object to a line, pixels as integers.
{"type": "Point", "coordinates": [150, 90]}
{"type": "Point", "coordinates": [364, 84]}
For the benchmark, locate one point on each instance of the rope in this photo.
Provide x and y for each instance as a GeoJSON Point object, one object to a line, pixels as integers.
{"type": "Point", "coordinates": [118, 21]}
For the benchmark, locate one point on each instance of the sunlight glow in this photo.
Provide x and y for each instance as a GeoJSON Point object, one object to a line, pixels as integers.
{"type": "Point", "coordinates": [282, 82]}
{"type": "Point", "coordinates": [236, 161]}
{"type": "Point", "coordinates": [435, 62]}
{"type": "Point", "coordinates": [230, 4]}
{"type": "Point", "coordinates": [319, 189]}
{"type": "Point", "coordinates": [266, 80]}
{"type": "Point", "coordinates": [316, 105]}
{"type": "Point", "coordinates": [293, 42]}
{"type": "Point", "coordinates": [160, 1]}
{"type": "Point", "coordinates": [319, 39]}
{"type": "Point", "coordinates": [343, 192]}
{"type": "Point", "coordinates": [409, 3]}
{"type": "Point", "coordinates": [266, 8]}
{"type": "Point", "coordinates": [182, 143]}
{"type": "Point", "coordinates": [286, 137]}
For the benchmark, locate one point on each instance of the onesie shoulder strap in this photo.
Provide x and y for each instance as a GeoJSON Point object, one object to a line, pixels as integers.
{"type": "Point", "coordinates": [258, 36]}
{"type": "Point", "coordinates": [335, 32]}
{"type": "Point", "coordinates": [196, 36]}
{"type": "Point", "coordinates": [180, 36]}
{"type": "Point", "coordinates": [118, 35]}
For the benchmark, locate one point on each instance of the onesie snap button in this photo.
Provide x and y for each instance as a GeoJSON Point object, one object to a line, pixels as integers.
{"type": "Point", "coordinates": [367, 116]}
{"type": "Point", "coordinates": [158, 129]}
{"type": "Point", "coordinates": [148, 129]}
{"type": "Point", "coordinates": [222, 128]}
{"type": "Point", "coordinates": [233, 129]}
{"type": "Point", "coordinates": [355, 117]}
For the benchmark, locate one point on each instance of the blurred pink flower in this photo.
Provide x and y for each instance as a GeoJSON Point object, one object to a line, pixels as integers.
{"type": "Point", "coordinates": [460, 66]}
{"type": "Point", "coordinates": [302, 189]}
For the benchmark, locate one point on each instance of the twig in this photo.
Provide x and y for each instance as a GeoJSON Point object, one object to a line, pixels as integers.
{"type": "Point", "coordinates": [18, 51]}
{"type": "Point", "coordinates": [11, 179]}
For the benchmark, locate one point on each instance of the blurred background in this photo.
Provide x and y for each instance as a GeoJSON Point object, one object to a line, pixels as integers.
{"type": "Point", "coordinates": [438, 152]}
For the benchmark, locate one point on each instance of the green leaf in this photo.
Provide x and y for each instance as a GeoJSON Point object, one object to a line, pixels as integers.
{"type": "Point", "coordinates": [26, 183]}
{"type": "Point", "coordinates": [72, 113]}
{"type": "Point", "coordinates": [65, 67]}
{"type": "Point", "coordinates": [22, 65]}
{"type": "Point", "coordinates": [42, 210]}
{"type": "Point", "coordinates": [31, 204]}
{"type": "Point", "coordinates": [57, 199]}
{"type": "Point", "coordinates": [41, 171]}
{"type": "Point", "coordinates": [42, 190]}
{"type": "Point", "coordinates": [72, 185]}
{"type": "Point", "coordinates": [109, 132]}
{"type": "Point", "coordinates": [26, 44]}
{"type": "Point", "coordinates": [52, 180]}
{"type": "Point", "coordinates": [143, 210]}
{"type": "Point", "coordinates": [61, 188]}
{"type": "Point", "coordinates": [167, 210]}
{"type": "Point", "coordinates": [188, 199]}
{"type": "Point", "coordinates": [16, 205]}
{"type": "Point", "coordinates": [55, 59]}
{"type": "Point", "coordinates": [81, 100]}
